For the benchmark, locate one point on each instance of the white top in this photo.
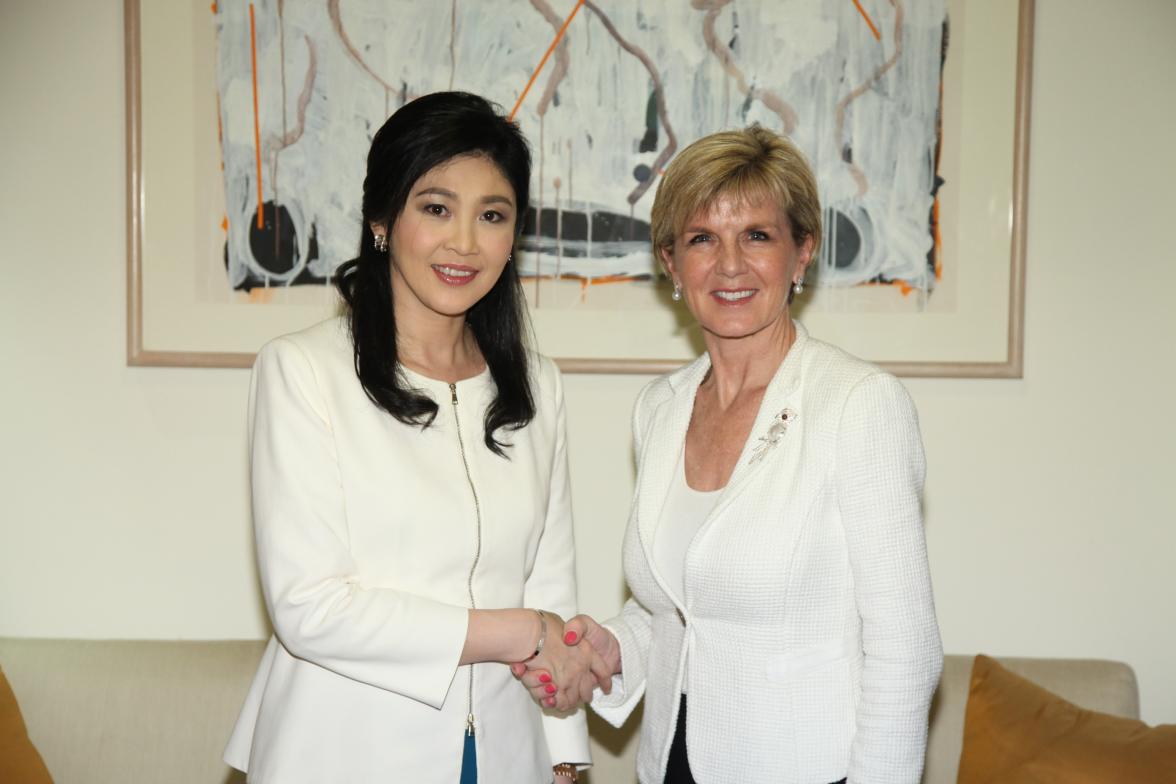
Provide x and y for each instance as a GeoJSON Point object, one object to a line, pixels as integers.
{"type": "Point", "coordinates": [808, 635]}
{"type": "Point", "coordinates": [367, 532]}
{"type": "Point", "coordinates": [683, 514]}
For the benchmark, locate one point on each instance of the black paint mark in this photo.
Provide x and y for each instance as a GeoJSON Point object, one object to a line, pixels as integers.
{"type": "Point", "coordinates": [649, 140]}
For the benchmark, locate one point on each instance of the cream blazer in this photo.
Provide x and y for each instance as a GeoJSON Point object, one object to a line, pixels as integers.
{"type": "Point", "coordinates": [807, 640]}
{"type": "Point", "coordinates": [367, 536]}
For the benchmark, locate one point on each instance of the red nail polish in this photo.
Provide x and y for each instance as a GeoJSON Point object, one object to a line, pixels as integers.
{"type": "Point", "coordinates": [549, 688]}
{"type": "Point", "coordinates": [544, 678]}
{"type": "Point", "coordinates": [570, 638]}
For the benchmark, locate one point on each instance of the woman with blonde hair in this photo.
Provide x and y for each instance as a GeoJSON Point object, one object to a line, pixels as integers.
{"type": "Point", "coordinates": [775, 548]}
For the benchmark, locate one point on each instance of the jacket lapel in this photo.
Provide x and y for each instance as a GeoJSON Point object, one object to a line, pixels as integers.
{"type": "Point", "coordinates": [668, 426]}
{"type": "Point", "coordinates": [777, 434]}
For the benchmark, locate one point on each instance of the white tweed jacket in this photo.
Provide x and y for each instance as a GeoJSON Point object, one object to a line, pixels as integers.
{"type": "Point", "coordinates": [808, 633]}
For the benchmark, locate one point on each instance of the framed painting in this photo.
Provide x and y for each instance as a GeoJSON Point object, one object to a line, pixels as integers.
{"type": "Point", "coordinates": [248, 124]}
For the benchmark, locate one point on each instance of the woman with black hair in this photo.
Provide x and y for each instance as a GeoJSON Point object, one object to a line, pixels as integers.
{"type": "Point", "coordinates": [410, 490]}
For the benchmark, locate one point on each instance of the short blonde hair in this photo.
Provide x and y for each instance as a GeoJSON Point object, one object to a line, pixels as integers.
{"type": "Point", "coordinates": [750, 164]}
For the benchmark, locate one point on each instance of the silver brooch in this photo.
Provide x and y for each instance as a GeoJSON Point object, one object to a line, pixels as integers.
{"type": "Point", "coordinates": [776, 431]}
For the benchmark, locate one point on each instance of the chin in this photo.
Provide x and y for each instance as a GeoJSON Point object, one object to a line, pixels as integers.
{"type": "Point", "coordinates": [734, 328]}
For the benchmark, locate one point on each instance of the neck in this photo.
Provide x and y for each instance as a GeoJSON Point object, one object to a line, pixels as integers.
{"type": "Point", "coordinates": [747, 364]}
{"type": "Point", "coordinates": [434, 344]}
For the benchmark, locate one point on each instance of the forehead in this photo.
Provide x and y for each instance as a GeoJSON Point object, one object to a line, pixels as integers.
{"type": "Point", "coordinates": [466, 173]}
{"type": "Point", "coordinates": [731, 207]}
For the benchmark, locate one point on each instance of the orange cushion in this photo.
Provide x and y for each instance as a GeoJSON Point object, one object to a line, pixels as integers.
{"type": "Point", "coordinates": [1016, 732]}
{"type": "Point", "coordinates": [19, 761]}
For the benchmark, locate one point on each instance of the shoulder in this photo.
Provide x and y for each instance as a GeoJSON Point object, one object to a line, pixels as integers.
{"type": "Point", "coordinates": [853, 388]}
{"type": "Point", "coordinates": [546, 378]}
{"type": "Point", "coordinates": [834, 368]}
{"type": "Point", "coordinates": [836, 382]}
{"type": "Point", "coordinates": [312, 360]}
{"type": "Point", "coordinates": [664, 387]}
{"type": "Point", "coordinates": [317, 342]}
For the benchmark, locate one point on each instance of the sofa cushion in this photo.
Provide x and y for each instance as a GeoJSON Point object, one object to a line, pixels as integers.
{"type": "Point", "coordinates": [119, 711]}
{"type": "Point", "coordinates": [19, 760]}
{"type": "Point", "coordinates": [1016, 732]}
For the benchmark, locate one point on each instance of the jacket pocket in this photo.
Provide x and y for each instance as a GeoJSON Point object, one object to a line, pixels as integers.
{"type": "Point", "coordinates": [803, 661]}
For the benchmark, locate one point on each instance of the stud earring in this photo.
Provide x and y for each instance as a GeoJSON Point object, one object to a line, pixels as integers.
{"type": "Point", "coordinates": [509, 258]}
{"type": "Point", "coordinates": [677, 295]}
{"type": "Point", "coordinates": [798, 287]}
{"type": "Point", "coordinates": [380, 243]}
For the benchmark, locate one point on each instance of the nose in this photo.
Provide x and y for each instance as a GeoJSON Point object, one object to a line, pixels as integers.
{"type": "Point", "coordinates": [730, 261]}
{"type": "Point", "coordinates": [464, 240]}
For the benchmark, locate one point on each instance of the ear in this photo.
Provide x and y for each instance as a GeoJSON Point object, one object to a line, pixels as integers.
{"type": "Point", "coordinates": [667, 260]}
{"type": "Point", "coordinates": [805, 256]}
{"type": "Point", "coordinates": [378, 229]}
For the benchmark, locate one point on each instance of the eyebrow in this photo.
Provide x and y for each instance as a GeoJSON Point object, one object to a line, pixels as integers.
{"type": "Point", "coordinates": [493, 198]}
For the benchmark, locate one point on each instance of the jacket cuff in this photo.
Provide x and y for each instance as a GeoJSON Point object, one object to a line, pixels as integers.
{"type": "Point", "coordinates": [627, 688]}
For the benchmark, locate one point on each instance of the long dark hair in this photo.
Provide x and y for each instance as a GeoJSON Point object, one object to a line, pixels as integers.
{"type": "Point", "coordinates": [421, 135]}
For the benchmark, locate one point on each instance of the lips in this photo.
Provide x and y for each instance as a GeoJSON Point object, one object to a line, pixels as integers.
{"type": "Point", "coordinates": [732, 297]}
{"type": "Point", "coordinates": [454, 274]}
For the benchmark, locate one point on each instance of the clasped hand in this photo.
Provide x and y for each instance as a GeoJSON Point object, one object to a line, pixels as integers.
{"type": "Point", "coordinates": [576, 658]}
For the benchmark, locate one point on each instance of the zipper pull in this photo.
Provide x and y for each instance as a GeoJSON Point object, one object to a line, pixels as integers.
{"type": "Point", "coordinates": [470, 725]}
{"type": "Point", "coordinates": [453, 392]}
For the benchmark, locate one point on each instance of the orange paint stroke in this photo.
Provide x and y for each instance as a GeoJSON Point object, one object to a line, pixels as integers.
{"type": "Point", "coordinates": [869, 21]}
{"type": "Point", "coordinates": [256, 118]}
{"type": "Point", "coordinates": [225, 223]}
{"type": "Point", "coordinates": [903, 287]}
{"type": "Point", "coordinates": [214, 8]}
{"type": "Point", "coordinates": [543, 62]}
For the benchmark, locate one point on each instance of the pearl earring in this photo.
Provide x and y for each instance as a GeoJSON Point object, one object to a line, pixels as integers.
{"type": "Point", "coordinates": [677, 295]}
{"type": "Point", "coordinates": [380, 243]}
{"type": "Point", "coordinates": [798, 287]}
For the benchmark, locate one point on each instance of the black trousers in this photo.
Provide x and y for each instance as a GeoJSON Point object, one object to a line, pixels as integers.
{"type": "Point", "coordinates": [678, 768]}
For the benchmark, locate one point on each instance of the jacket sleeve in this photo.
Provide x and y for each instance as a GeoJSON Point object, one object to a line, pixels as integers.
{"type": "Point", "coordinates": [879, 476]}
{"type": "Point", "coordinates": [552, 582]}
{"type": "Point", "coordinates": [633, 627]}
{"type": "Point", "coordinates": [320, 611]}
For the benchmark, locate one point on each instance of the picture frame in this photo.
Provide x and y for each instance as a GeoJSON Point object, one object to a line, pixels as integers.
{"type": "Point", "coordinates": [177, 315]}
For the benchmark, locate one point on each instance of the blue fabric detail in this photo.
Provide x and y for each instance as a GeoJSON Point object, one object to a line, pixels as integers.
{"type": "Point", "coordinates": [469, 761]}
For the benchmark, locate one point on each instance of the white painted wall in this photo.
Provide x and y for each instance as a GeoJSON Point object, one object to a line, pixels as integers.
{"type": "Point", "coordinates": [1051, 501]}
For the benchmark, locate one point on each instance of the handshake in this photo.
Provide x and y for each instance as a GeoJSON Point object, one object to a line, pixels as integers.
{"type": "Point", "coordinates": [575, 658]}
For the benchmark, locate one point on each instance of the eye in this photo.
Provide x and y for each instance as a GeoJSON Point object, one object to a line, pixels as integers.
{"type": "Point", "coordinates": [493, 216]}
{"type": "Point", "coordinates": [757, 235]}
{"type": "Point", "coordinates": [437, 210]}
{"type": "Point", "coordinates": [698, 239]}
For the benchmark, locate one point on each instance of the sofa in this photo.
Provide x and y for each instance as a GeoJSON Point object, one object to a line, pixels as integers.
{"type": "Point", "coordinates": [153, 711]}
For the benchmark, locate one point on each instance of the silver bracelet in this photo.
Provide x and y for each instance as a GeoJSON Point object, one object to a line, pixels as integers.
{"type": "Point", "coordinates": [542, 635]}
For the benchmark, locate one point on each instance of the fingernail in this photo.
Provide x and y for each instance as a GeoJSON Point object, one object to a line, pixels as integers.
{"type": "Point", "coordinates": [570, 638]}
{"type": "Point", "coordinates": [549, 702]}
{"type": "Point", "coordinates": [545, 678]}
{"type": "Point", "coordinates": [549, 688]}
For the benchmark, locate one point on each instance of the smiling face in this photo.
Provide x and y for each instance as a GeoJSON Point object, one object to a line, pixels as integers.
{"type": "Point", "coordinates": [451, 242]}
{"type": "Point", "coordinates": [735, 263]}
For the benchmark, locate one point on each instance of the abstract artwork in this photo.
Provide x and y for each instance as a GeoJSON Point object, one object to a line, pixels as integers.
{"type": "Point", "coordinates": [249, 123]}
{"type": "Point", "coordinates": [303, 86]}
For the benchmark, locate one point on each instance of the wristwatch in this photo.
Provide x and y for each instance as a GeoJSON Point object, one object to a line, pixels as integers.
{"type": "Point", "coordinates": [566, 769]}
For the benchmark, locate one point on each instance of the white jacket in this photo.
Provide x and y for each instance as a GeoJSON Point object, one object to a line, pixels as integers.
{"type": "Point", "coordinates": [366, 535]}
{"type": "Point", "coordinates": [808, 629]}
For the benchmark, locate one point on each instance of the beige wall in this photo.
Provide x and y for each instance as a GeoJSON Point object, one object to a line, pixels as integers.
{"type": "Point", "coordinates": [1051, 501]}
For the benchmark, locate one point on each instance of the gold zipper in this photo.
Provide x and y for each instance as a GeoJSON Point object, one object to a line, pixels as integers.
{"type": "Point", "coordinates": [477, 552]}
